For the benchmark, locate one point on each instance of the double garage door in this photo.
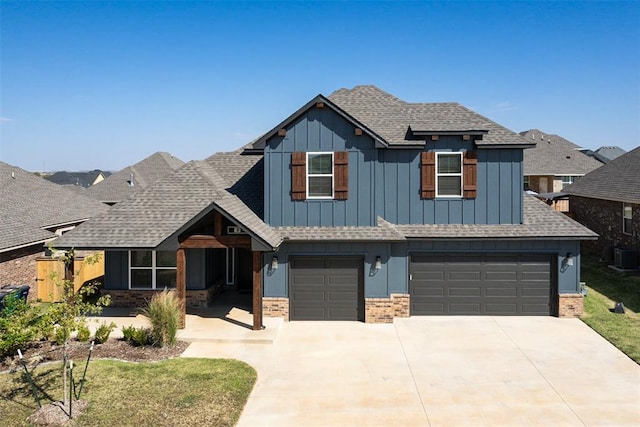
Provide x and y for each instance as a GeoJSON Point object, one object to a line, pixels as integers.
{"type": "Point", "coordinates": [447, 284]}
{"type": "Point", "coordinates": [326, 288]}
{"type": "Point", "coordinates": [332, 288]}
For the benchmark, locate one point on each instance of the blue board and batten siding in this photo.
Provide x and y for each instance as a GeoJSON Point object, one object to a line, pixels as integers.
{"type": "Point", "coordinates": [395, 257]}
{"type": "Point", "coordinates": [385, 182]}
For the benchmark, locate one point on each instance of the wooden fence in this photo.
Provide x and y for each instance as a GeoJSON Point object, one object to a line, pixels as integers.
{"type": "Point", "coordinates": [51, 271]}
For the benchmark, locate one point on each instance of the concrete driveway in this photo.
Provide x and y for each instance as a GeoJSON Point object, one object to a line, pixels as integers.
{"type": "Point", "coordinates": [437, 371]}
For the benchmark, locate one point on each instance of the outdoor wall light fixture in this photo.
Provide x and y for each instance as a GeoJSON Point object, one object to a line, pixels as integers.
{"type": "Point", "coordinates": [274, 263]}
{"type": "Point", "coordinates": [569, 258]}
{"type": "Point", "coordinates": [378, 264]}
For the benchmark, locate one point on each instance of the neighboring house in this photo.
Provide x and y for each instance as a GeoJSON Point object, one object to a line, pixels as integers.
{"type": "Point", "coordinates": [553, 163]}
{"type": "Point", "coordinates": [34, 211]}
{"type": "Point", "coordinates": [78, 179]}
{"type": "Point", "coordinates": [358, 206]}
{"type": "Point", "coordinates": [605, 154]}
{"type": "Point", "coordinates": [607, 201]}
{"type": "Point", "coordinates": [131, 179]}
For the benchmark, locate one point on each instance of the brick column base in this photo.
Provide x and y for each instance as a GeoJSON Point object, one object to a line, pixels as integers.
{"type": "Point", "coordinates": [384, 310]}
{"type": "Point", "coordinates": [570, 305]}
{"type": "Point", "coordinates": [275, 307]}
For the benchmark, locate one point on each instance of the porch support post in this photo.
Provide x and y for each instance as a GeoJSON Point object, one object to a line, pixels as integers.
{"type": "Point", "coordinates": [257, 290]}
{"type": "Point", "coordinates": [181, 285]}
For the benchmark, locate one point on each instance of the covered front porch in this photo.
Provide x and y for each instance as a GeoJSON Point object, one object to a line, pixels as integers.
{"type": "Point", "coordinates": [245, 272]}
{"type": "Point", "coordinates": [228, 320]}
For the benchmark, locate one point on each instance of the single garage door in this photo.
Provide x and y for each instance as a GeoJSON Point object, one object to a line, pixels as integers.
{"type": "Point", "coordinates": [326, 288]}
{"type": "Point", "coordinates": [481, 284]}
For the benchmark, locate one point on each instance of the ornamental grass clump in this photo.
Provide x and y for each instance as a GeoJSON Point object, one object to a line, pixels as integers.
{"type": "Point", "coordinates": [163, 312]}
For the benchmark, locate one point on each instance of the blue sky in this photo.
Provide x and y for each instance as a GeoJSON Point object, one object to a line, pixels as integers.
{"type": "Point", "coordinates": [89, 85]}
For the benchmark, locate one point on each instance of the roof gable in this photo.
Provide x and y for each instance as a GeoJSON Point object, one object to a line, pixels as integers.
{"type": "Point", "coordinates": [320, 101]}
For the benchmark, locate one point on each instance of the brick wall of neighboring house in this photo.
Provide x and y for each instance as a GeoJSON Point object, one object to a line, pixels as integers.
{"type": "Point", "coordinates": [605, 218]}
{"type": "Point", "coordinates": [18, 267]}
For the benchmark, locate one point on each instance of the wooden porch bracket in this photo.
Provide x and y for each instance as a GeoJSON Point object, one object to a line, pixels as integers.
{"type": "Point", "coordinates": [257, 291]}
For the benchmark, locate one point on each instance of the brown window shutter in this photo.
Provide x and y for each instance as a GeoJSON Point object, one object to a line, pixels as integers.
{"type": "Point", "coordinates": [428, 187]}
{"type": "Point", "coordinates": [341, 175]}
{"type": "Point", "coordinates": [298, 175]}
{"type": "Point", "coordinates": [470, 175]}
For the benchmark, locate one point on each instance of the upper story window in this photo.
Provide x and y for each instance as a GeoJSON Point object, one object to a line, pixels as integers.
{"type": "Point", "coordinates": [627, 217]}
{"type": "Point", "coordinates": [152, 269]}
{"type": "Point", "coordinates": [568, 180]}
{"type": "Point", "coordinates": [449, 174]}
{"type": "Point", "coordinates": [319, 175]}
{"type": "Point", "coordinates": [526, 182]}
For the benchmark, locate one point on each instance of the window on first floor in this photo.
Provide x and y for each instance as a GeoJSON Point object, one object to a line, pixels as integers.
{"type": "Point", "coordinates": [449, 174]}
{"type": "Point", "coordinates": [627, 217]}
{"type": "Point", "coordinates": [152, 269]}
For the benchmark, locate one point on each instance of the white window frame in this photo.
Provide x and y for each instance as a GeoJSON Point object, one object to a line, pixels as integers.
{"type": "Point", "coordinates": [628, 231]}
{"type": "Point", "coordinates": [332, 175]}
{"type": "Point", "coordinates": [153, 269]}
{"type": "Point", "coordinates": [571, 180]}
{"type": "Point", "coordinates": [460, 174]}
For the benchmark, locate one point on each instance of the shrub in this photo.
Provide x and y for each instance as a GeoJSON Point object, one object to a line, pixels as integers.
{"type": "Point", "coordinates": [83, 333]}
{"type": "Point", "coordinates": [137, 336]}
{"type": "Point", "coordinates": [127, 333]}
{"type": "Point", "coordinates": [21, 323]}
{"type": "Point", "coordinates": [163, 312]}
{"type": "Point", "coordinates": [103, 332]}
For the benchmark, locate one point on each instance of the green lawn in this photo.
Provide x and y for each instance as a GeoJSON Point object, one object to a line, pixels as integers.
{"type": "Point", "coordinates": [176, 392]}
{"type": "Point", "coordinates": [605, 288]}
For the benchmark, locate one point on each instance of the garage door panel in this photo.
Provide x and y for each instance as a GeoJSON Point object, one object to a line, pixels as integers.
{"type": "Point", "coordinates": [429, 275]}
{"type": "Point", "coordinates": [465, 308]}
{"type": "Point", "coordinates": [501, 292]}
{"type": "Point", "coordinates": [464, 275]}
{"type": "Point", "coordinates": [463, 292]}
{"type": "Point", "coordinates": [501, 308]}
{"type": "Point", "coordinates": [326, 288]}
{"type": "Point", "coordinates": [480, 284]}
{"type": "Point", "coordinates": [494, 275]}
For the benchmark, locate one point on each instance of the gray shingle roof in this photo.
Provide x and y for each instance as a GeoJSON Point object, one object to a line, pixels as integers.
{"type": "Point", "coordinates": [383, 232]}
{"type": "Point", "coordinates": [391, 117]}
{"type": "Point", "coordinates": [540, 222]}
{"type": "Point", "coordinates": [158, 212]}
{"type": "Point", "coordinates": [618, 180]}
{"type": "Point", "coordinates": [610, 152]}
{"type": "Point", "coordinates": [81, 179]}
{"type": "Point", "coordinates": [554, 155]}
{"type": "Point", "coordinates": [117, 187]}
{"type": "Point", "coordinates": [29, 205]}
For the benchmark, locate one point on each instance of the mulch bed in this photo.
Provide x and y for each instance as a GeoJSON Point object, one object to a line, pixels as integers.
{"type": "Point", "coordinates": [43, 352]}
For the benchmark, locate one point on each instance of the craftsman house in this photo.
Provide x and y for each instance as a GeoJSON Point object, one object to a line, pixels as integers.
{"type": "Point", "coordinates": [358, 206]}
